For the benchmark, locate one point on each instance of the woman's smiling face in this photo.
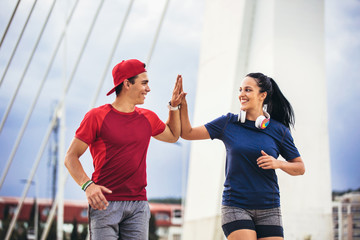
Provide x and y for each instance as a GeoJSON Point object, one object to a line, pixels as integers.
{"type": "Point", "coordinates": [250, 96]}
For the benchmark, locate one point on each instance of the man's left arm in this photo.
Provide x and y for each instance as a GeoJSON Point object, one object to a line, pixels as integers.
{"type": "Point", "coordinates": [173, 126]}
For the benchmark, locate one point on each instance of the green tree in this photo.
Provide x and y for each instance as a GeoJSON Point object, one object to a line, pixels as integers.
{"type": "Point", "coordinates": [32, 215]}
{"type": "Point", "coordinates": [32, 218]}
{"type": "Point", "coordinates": [84, 232]}
{"type": "Point", "coordinates": [18, 233]}
{"type": "Point", "coordinates": [52, 231]}
{"type": "Point", "coordinates": [74, 233]}
{"type": "Point", "coordinates": [6, 222]}
{"type": "Point", "coordinates": [152, 229]}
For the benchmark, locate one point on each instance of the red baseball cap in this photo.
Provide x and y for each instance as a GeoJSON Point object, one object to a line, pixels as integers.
{"type": "Point", "coordinates": [124, 70]}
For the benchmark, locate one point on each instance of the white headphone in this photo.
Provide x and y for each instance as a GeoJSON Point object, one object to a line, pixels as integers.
{"type": "Point", "coordinates": [261, 122]}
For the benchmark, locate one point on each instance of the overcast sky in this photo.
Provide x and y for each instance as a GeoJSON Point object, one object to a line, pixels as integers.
{"type": "Point", "coordinates": [343, 76]}
{"type": "Point", "coordinates": [177, 52]}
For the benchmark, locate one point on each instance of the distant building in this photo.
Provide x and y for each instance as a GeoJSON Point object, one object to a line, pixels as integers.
{"type": "Point", "coordinates": [73, 209]}
{"type": "Point", "coordinates": [168, 217]}
{"type": "Point", "coordinates": [346, 216]}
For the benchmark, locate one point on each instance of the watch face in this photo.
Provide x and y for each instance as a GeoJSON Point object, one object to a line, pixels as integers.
{"type": "Point", "coordinates": [173, 108]}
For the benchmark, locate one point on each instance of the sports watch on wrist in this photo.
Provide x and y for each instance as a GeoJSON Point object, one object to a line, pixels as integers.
{"type": "Point", "coordinates": [171, 108]}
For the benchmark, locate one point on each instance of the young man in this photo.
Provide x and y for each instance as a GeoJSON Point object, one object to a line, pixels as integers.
{"type": "Point", "coordinates": [118, 136]}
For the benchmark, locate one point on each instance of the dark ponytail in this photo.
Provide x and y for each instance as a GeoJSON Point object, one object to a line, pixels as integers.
{"type": "Point", "coordinates": [278, 106]}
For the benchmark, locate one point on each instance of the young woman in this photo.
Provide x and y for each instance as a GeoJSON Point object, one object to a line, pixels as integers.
{"type": "Point", "coordinates": [253, 139]}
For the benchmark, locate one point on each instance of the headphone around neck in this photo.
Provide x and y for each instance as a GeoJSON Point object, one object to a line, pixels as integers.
{"type": "Point", "coordinates": [261, 122]}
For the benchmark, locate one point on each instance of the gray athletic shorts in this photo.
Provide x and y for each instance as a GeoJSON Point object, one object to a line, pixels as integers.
{"type": "Point", "coordinates": [265, 222]}
{"type": "Point", "coordinates": [121, 220]}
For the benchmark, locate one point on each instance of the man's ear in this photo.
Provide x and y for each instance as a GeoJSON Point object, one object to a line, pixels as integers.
{"type": "Point", "coordinates": [127, 84]}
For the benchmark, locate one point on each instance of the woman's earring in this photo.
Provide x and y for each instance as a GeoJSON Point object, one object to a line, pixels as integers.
{"type": "Point", "coordinates": [265, 107]}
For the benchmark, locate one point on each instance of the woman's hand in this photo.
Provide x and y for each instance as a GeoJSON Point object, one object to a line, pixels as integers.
{"type": "Point", "coordinates": [293, 167]}
{"type": "Point", "coordinates": [178, 94]}
{"type": "Point", "coordinates": [268, 162]}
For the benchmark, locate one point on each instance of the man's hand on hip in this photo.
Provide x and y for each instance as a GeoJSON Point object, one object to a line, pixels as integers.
{"type": "Point", "coordinates": [95, 196]}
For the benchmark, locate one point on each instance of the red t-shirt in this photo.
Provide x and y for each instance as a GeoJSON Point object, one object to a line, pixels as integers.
{"type": "Point", "coordinates": [118, 143]}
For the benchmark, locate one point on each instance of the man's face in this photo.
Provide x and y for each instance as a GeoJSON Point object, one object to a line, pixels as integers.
{"type": "Point", "coordinates": [139, 89]}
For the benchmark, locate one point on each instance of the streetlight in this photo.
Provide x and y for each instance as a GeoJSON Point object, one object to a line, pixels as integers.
{"type": "Point", "coordinates": [36, 217]}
